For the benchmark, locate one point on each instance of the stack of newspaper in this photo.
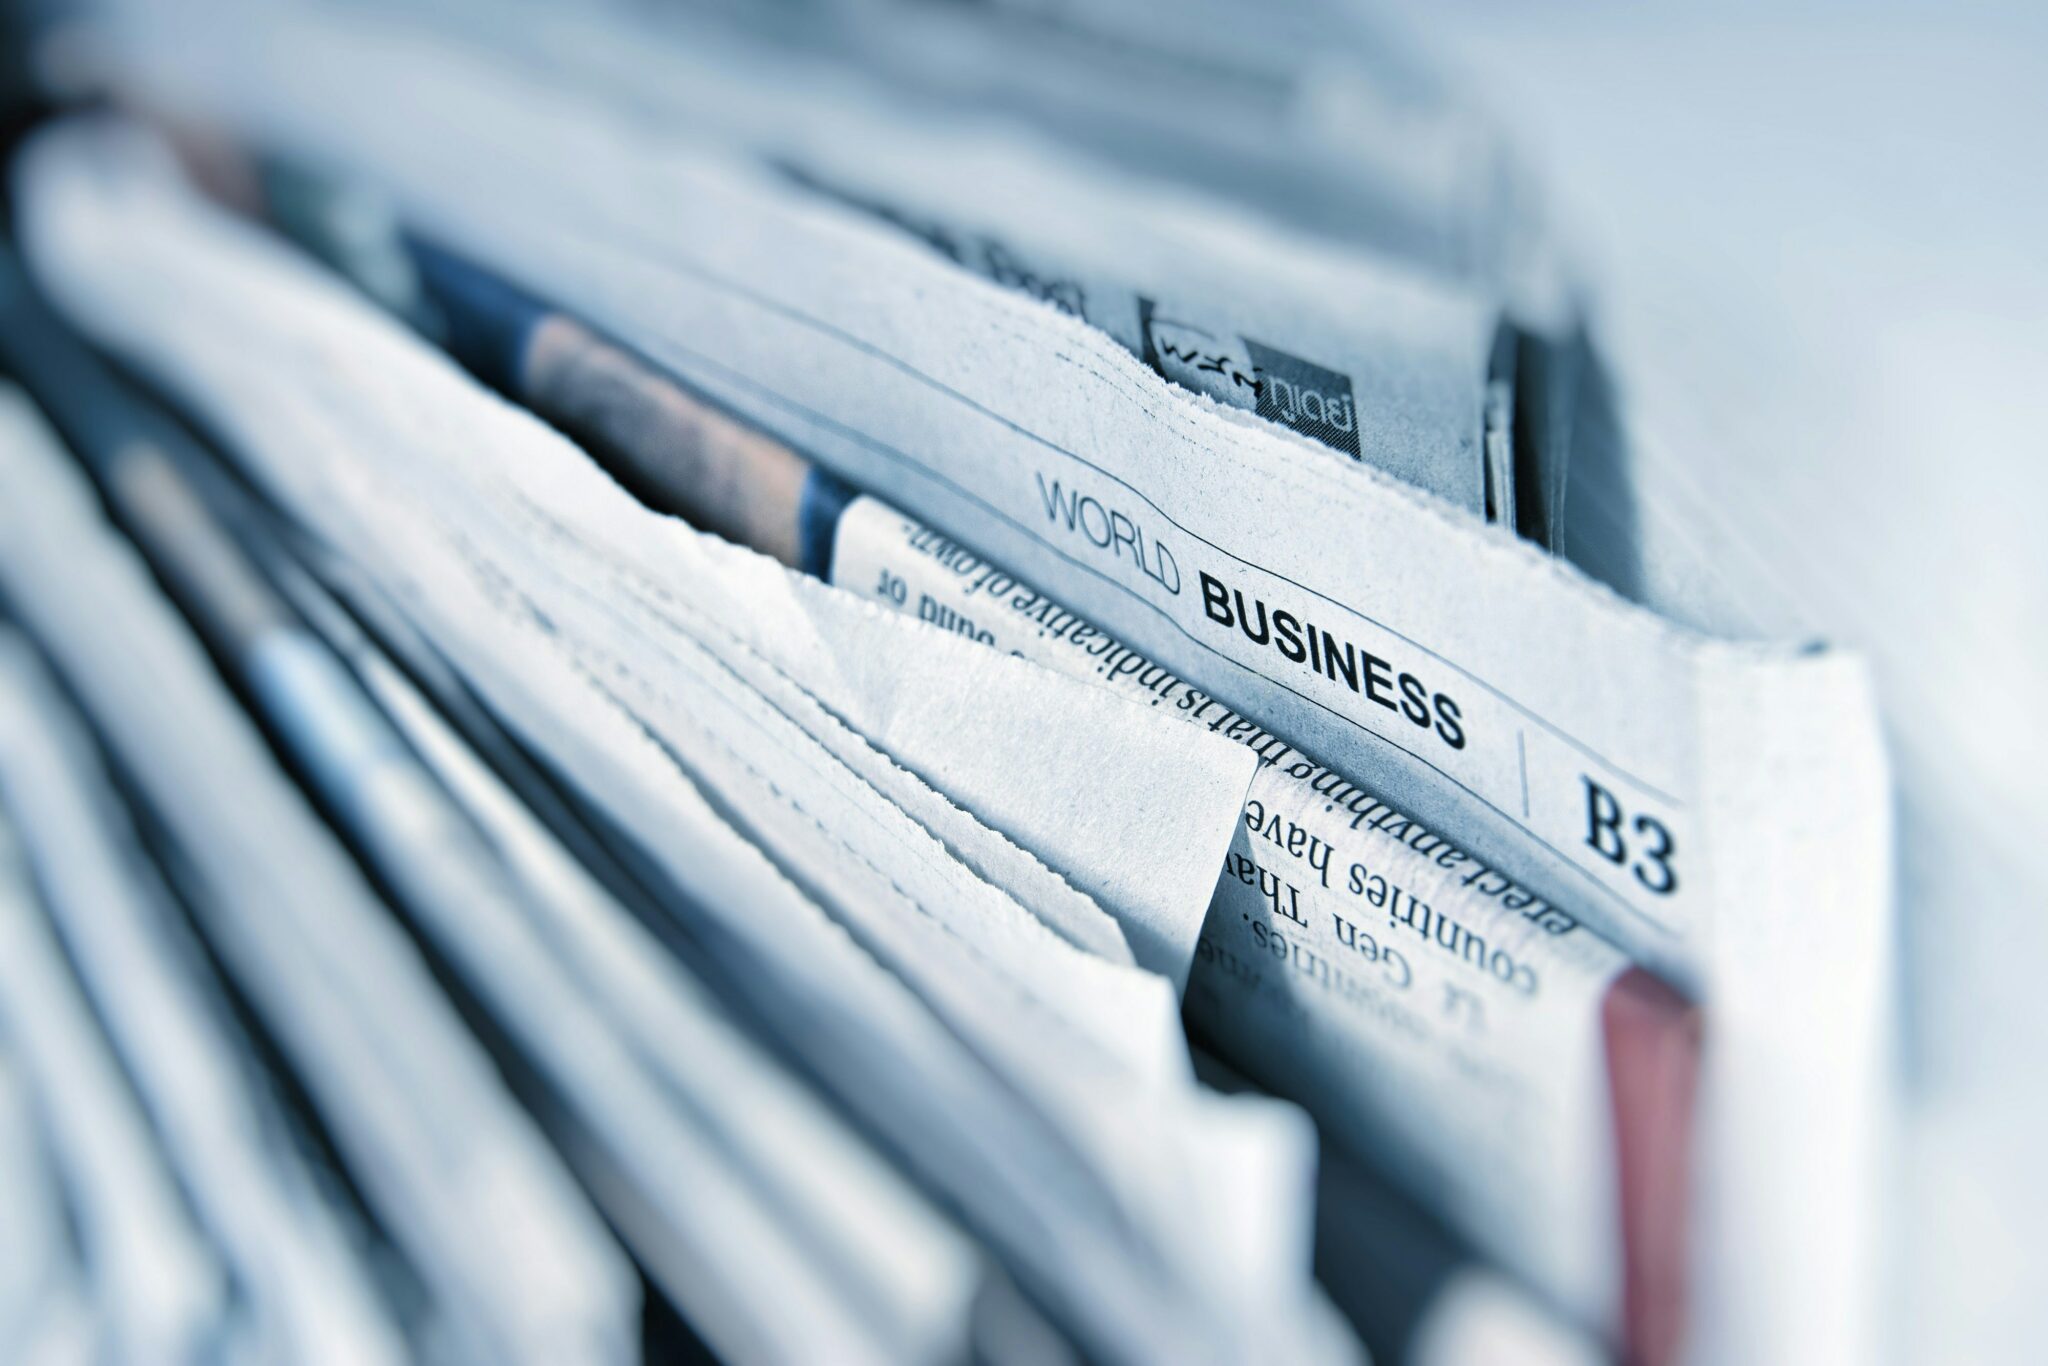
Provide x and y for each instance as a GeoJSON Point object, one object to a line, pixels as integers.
{"type": "Point", "coordinates": [869, 681]}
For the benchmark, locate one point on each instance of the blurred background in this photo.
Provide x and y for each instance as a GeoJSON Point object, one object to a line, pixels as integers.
{"type": "Point", "coordinates": [1812, 238]}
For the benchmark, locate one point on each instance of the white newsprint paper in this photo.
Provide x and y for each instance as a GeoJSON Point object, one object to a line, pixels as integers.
{"type": "Point", "coordinates": [1044, 1090]}
{"type": "Point", "coordinates": [1718, 809]}
{"type": "Point", "coordinates": [211, 1113]}
{"type": "Point", "coordinates": [1442, 1022]}
{"type": "Point", "coordinates": [514, 1257]}
{"type": "Point", "coordinates": [1368, 357]}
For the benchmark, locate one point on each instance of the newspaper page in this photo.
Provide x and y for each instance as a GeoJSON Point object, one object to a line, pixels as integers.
{"type": "Point", "coordinates": [516, 1260]}
{"type": "Point", "coordinates": [1716, 809]}
{"type": "Point", "coordinates": [289, 1256]}
{"type": "Point", "coordinates": [558, 596]}
{"type": "Point", "coordinates": [1367, 356]}
{"type": "Point", "coordinates": [44, 1318]}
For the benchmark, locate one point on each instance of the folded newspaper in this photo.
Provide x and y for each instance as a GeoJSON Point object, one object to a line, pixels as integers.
{"type": "Point", "coordinates": [656, 665]}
